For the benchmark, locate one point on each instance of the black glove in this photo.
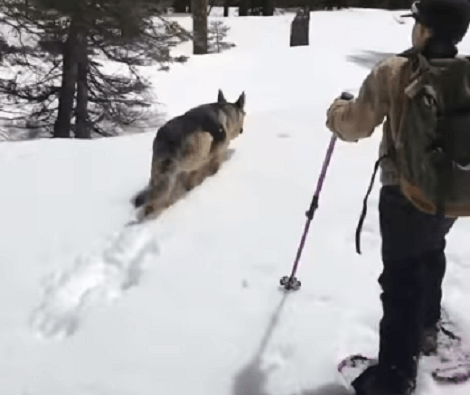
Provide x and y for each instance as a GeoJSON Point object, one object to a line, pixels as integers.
{"type": "Point", "coordinates": [346, 96]}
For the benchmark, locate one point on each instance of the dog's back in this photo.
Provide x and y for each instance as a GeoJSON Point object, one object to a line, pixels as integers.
{"type": "Point", "coordinates": [174, 133]}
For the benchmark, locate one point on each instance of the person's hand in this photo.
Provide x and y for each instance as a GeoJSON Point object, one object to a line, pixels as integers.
{"type": "Point", "coordinates": [337, 103]}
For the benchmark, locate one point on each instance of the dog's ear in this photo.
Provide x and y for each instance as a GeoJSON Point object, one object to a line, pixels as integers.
{"type": "Point", "coordinates": [221, 97]}
{"type": "Point", "coordinates": [240, 103]}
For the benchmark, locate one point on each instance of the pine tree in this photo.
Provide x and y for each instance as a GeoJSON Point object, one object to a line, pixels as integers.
{"type": "Point", "coordinates": [72, 50]}
{"type": "Point", "coordinates": [217, 33]}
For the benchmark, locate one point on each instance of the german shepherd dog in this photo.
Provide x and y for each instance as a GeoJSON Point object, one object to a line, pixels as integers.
{"type": "Point", "coordinates": [189, 148]}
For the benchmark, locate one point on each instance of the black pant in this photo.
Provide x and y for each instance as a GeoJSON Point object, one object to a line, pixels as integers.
{"type": "Point", "coordinates": [414, 262]}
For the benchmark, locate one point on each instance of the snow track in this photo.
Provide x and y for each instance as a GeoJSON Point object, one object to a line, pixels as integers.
{"type": "Point", "coordinates": [93, 279]}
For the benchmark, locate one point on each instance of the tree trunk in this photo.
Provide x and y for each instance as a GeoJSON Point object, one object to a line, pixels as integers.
{"type": "Point", "coordinates": [243, 7]}
{"type": "Point", "coordinates": [180, 6]}
{"type": "Point", "coordinates": [399, 4]}
{"type": "Point", "coordinates": [300, 28]}
{"type": "Point", "coordinates": [226, 7]}
{"type": "Point", "coordinates": [268, 7]}
{"type": "Point", "coordinates": [199, 11]}
{"type": "Point", "coordinates": [82, 129]}
{"type": "Point", "coordinates": [69, 80]}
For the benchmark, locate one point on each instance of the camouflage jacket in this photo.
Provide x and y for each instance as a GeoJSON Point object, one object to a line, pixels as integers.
{"type": "Point", "coordinates": [380, 98]}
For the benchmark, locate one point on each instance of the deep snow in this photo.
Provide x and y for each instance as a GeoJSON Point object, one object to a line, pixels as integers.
{"type": "Point", "coordinates": [190, 303]}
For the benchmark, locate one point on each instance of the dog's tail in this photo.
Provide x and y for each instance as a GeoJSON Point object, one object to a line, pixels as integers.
{"type": "Point", "coordinates": [141, 197]}
{"type": "Point", "coordinates": [162, 169]}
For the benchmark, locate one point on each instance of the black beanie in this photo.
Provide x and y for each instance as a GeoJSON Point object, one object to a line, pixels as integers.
{"type": "Point", "coordinates": [447, 19]}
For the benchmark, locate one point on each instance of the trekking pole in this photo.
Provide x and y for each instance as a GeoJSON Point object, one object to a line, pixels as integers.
{"type": "Point", "coordinates": [292, 283]}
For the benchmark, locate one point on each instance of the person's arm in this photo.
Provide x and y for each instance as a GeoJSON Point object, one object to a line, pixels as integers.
{"type": "Point", "coordinates": [354, 119]}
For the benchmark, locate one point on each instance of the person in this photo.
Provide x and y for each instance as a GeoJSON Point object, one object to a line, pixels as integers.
{"type": "Point", "coordinates": [413, 241]}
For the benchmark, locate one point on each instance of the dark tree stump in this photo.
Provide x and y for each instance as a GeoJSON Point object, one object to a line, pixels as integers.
{"type": "Point", "coordinates": [300, 28]}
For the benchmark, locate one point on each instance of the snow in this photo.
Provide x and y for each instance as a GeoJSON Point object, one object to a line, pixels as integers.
{"type": "Point", "coordinates": [190, 303]}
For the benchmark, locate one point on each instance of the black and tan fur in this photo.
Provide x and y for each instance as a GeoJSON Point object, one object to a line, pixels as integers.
{"type": "Point", "coordinates": [189, 148]}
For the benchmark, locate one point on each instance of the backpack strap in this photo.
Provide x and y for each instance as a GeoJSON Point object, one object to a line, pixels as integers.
{"type": "Point", "coordinates": [421, 69]}
{"type": "Point", "coordinates": [444, 180]}
{"type": "Point", "coordinates": [364, 205]}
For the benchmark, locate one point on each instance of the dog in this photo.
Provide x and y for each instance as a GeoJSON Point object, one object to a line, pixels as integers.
{"type": "Point", "coordinates": [188, 149]}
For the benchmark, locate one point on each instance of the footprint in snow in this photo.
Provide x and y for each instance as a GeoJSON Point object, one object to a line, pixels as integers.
{"type": "Point", "coordinates": [90, 280]}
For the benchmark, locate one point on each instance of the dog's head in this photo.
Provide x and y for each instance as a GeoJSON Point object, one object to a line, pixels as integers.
{"type": "Point", "coordinates": [234, 115]}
